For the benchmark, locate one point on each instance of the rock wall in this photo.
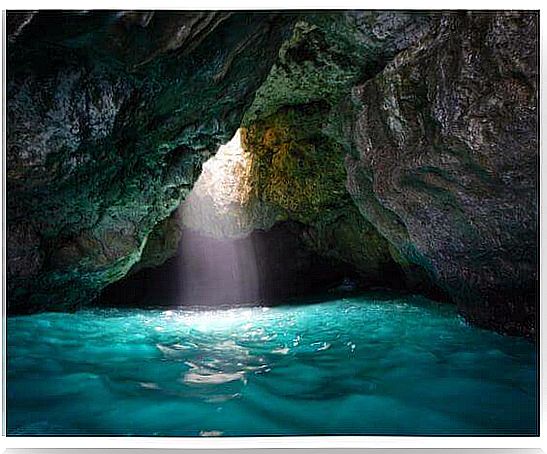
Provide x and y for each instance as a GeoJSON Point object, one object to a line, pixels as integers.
{"type": "Point", "coordinates": [295, 137]}
{"type": "Point", "coordinates": [109, 115]}
{"type": "Point", "coordinates": [445, 158]}
{"type": "Point", "coordinates": [289, 162]}
{"type": "Point", "coordinates": [299, 171]}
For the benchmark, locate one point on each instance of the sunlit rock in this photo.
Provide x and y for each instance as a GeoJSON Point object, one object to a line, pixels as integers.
{"type": "Point", "coordinates": [223, 202]}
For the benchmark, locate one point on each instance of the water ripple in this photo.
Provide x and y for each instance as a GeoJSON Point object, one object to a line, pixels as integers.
{"type": "Point", "coordinates": [362, 365]}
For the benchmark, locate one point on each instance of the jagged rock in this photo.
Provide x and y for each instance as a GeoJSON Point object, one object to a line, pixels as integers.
{"type": "Point", "coordinates": [108, 115]}
{"type": "Point", "coordinates": [161, 244]}
{"type": "Point", "coordinates": [445, 162]}
{"type": "Point", "coordinates": [329, 52]}
{"type": "Point", "coordinates": [296, 142]}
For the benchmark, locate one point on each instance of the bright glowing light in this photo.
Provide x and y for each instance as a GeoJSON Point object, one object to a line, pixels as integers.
{"type": "Point", "coordinates": [213, 320]}
{"type": "Point", "coordinates": [218, 262]}
{"type": "Point", "coordinates": [223, 202]}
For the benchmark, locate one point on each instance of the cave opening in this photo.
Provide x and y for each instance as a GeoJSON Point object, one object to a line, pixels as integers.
{"type": "Point", "coordinates": [230, 249]}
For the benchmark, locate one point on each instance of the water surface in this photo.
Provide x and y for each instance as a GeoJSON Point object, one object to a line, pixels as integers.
{"type": "Point", "coordinates": [369, 364]}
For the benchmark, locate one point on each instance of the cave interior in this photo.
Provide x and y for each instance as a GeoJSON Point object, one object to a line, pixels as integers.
{"type": "Point", "coordinates": [225, 158]}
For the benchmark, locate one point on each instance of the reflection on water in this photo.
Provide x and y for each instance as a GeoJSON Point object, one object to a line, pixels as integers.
{"type": "Point", "coordinates": [373, 364]}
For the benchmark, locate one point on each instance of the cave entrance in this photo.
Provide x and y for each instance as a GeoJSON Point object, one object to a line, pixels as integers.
{"type": "Point", "coordinates": [217, 258]}
{"type": "Point", "coordinates": [233, 248]}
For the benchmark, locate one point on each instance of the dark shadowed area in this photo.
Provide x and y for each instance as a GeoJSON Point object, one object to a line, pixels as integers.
{"type": "Point", "coordinates": [263, 268]}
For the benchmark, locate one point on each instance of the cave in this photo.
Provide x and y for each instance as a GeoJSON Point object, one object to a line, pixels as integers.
{"type": "Point", "coordinates": [209, 209]}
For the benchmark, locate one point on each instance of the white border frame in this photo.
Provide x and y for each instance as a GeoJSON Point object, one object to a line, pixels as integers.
{"type": "Point", "coordinates": [311, 441]}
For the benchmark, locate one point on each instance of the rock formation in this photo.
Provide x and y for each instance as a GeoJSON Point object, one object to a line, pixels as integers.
{"type": "Point", "coordinates": [439, 133]}
{"type": "Point", "coordinates": [401, 145]}
{"type": "Point", "coordinates": [445, 162]}
{"type": "Point", "coordinates": [109, 116]}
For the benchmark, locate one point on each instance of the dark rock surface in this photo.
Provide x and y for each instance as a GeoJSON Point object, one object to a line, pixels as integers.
{"type": "Point", "coordinates": [108, 115]}
{"type": "Point", "coordinates": [445, 162]}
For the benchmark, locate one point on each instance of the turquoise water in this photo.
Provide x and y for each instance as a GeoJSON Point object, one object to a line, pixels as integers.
{"type": "Point", "coordinates": [371, 364]}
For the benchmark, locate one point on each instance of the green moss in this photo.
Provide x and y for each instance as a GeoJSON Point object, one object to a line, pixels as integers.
{"type": "Point", "coordinates": [295, 166]}
{"type": "Point", "coordinates": [315, 64]}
